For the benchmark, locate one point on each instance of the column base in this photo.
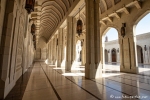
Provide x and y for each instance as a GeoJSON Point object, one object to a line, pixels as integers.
{"type": "Point", "coordinates": [53, 62]}
{"type": "Point", "coordinates": [68, 66]}
{"type": "Point", "coordinates": [58, 63]}
{"type": "Point", "coordinates": [6, 87]}
{"type": "Point", "coordinates": [24, 70]}
{"type": "Point", "coordinates": [48, 61]}
{"type": "Point", "coordinates": [76, 64]}
{"type": "Point", "coordinates": [93, 71]}
{"type": "Point", "coordinates": [63, 64]}
{"type": "Point", "coordinates": [134, 70]}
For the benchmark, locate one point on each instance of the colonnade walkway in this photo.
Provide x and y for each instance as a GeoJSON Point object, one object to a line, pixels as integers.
{"type": "Point", "coordinates": [46, 82]}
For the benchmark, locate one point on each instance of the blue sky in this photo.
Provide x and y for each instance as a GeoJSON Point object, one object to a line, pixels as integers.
{"type": "Point", "coordinates": [142, 27]}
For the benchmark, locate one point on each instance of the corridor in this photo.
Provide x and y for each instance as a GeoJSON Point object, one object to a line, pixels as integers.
{"type": "Point", "coordinates": [46, 82]}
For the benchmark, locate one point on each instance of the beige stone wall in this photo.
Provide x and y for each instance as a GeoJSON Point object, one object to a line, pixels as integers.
{"type": "Point", "coordinates": [17, 50]}
{"type": "Point", "coordinates": [2, 12]}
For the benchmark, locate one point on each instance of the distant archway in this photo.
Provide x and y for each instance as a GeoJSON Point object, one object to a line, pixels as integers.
{"type": "Point", "coordinates": [38, 54]}
{"type": "Point", "coordinates": [113, 55]}
{"type": "Point", "coordinates": [139, 54]}
{"type": "Point", "coordinates": [110, 40]}
{"type": "Point", "coordinates": [141, 26]}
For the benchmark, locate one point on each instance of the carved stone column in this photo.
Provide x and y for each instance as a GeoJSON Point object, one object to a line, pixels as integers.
{"type": "Point", "coordinates": [92, 67]}
{"type": "Point", "coordinates": [60, 44]}
{"type": "Point", "coordinates": [56, 58]}
{"type": "Point", "coordinates": [74, 36]}
{"type": "Point", "coordinates": [69, 48]}
{"type": "Point", "coordinates": [48, 53]}
{"type": "Point", "coordinates": [53, 47]}
{"type": "Point", "coordinates": [118, 55]}
{"type": "Point", "coordinates": [128, 55]}
{"type": "Point", "coordinates": [63, 48]}
{"type": "Point", "coordinates": [103, 54]}
{"type": "Point", "coordinates": [146, 54]}
{"type": "Point", "coordinates": [51, 52]}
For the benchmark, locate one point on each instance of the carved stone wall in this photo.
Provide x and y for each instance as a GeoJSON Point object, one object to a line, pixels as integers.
{"type": "Point", "coordinates": [15, 45]}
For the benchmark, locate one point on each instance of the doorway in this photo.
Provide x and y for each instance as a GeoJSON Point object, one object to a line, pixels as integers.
{"type": "Point", "coordinates": [113, 55]}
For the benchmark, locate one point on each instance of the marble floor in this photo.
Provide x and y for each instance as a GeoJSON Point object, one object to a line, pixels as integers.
{"type": "Point", "coordinates": [144, 69]}
{"type": "Point", "coordinates": [46, 82]}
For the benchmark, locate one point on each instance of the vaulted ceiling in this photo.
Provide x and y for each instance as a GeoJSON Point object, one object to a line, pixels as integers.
{"type": "Point", "coordinates": [49, 13]}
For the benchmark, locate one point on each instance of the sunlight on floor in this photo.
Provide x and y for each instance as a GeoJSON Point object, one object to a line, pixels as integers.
{"type": "Point", "coordinates": [111, 74]}
{"type": "Point", "coordinates": [77, 68]}
{"type": "Point", "coordinates": [70, 74]}
{"type": "Point", "coordinates": [59, 68]}
{"type": "Point", "coordinates": [143, 69]}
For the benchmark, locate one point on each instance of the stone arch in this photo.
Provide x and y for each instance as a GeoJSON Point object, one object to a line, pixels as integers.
{"type": "Point", "coordinates": [107, 29]}
{"type": "Point", "coordinates": [103, 43]}
{"type": "Point", "coordinates": [138, 18]}
{"type": "Point", "coordinates": [82, 17]}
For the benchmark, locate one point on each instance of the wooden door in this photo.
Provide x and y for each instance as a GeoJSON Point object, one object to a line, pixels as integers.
{"type": "Point", "coordinates": [113, 55]}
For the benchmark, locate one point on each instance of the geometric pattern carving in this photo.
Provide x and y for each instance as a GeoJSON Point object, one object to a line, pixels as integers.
{"type": "Point", "coordinates": [102, 7]}
{"type": "Point", "coordinates": [109, 3]}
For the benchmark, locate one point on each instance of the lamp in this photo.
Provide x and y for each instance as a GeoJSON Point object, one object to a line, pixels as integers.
{"type": "Point", "coordinates": [123, 29]}
{"type": "Point", "coordinates": [34, 38]}
{"type": "Point", "coordinates": [29, 6]}
{"type": "Point", "coordinates": [79, 25]}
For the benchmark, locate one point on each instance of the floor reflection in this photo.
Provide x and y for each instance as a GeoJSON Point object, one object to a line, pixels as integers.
{"type": "Point", "coordinates": [121, 86]}
{"type": "Point", "coordinates": [144, 69]}
{"type": "Point", "coordinates": [50, 83]}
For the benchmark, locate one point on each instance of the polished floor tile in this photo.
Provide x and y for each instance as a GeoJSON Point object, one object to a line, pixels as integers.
{"type": "Point", "coordinates": [46, 82]}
